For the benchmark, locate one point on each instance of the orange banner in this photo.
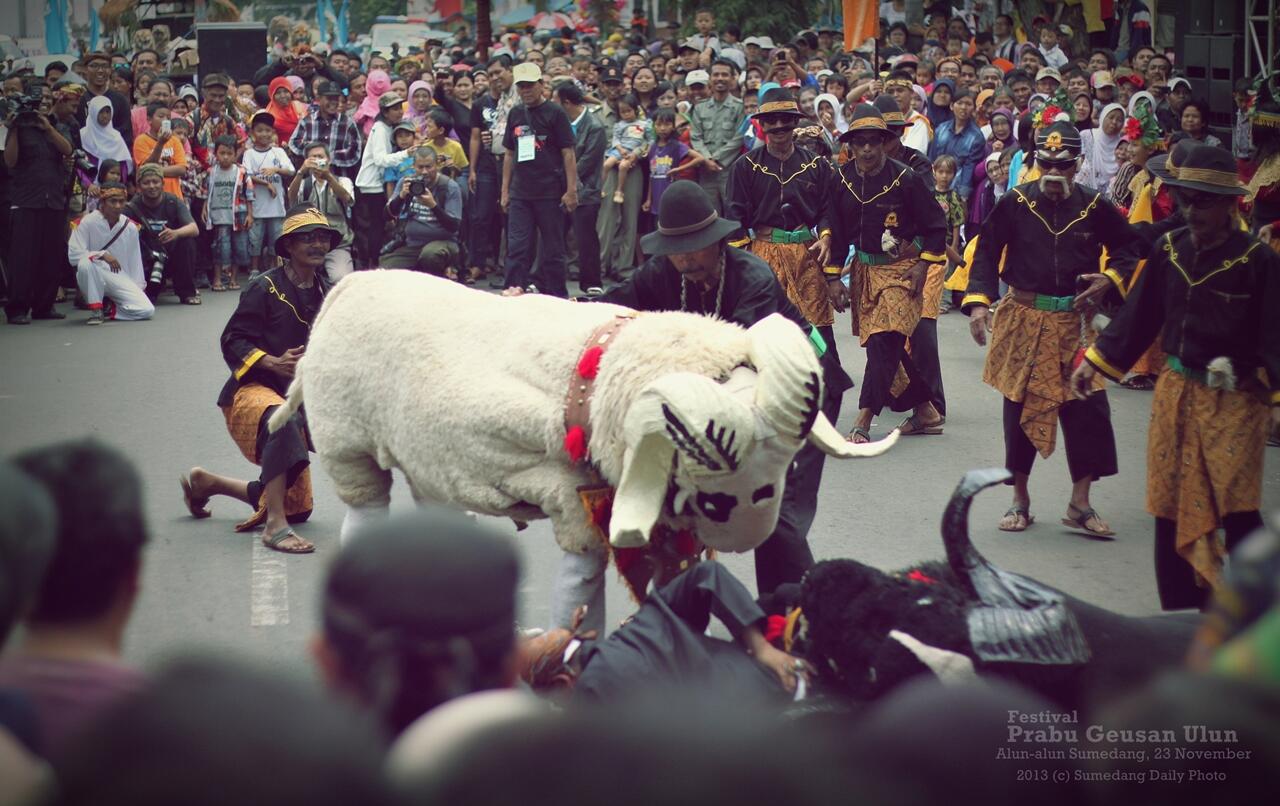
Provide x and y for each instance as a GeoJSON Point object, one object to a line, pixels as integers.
{"type": "Point", "coordinates": [861, 22]}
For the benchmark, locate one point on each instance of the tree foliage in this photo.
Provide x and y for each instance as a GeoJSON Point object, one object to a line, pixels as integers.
{"type": "Point", "coordinates": [778, 19]}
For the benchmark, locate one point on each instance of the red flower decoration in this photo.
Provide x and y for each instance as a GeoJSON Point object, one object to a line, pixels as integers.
{"type": "Point", "coordinates": [1133, 129]}
{"type": "Point", "coordinates": [919, 576]}
{"type": "Point", "coordinates": [575, 443]}
{"type": "Point", "coordinates": [589, 364]}
{"type": "Point", "coordinates": [774, 627]}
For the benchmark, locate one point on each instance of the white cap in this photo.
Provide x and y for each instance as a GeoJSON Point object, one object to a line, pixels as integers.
{"type": "Point", "coordinates": [1173, 82]}
{"type": "Point", "coordinates": [526, 71]}
{"type": "Point", "coordinates": [763, 41]}
{"type": "Point", "coordinates": [1049, 72]}
{"type": "Point", "coordinates": [697, 77]}
{"type": "Point", "coordinates": [736, 56]}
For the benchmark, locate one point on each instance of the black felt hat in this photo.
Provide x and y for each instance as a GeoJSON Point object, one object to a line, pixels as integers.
{"type": "Point", "coordinates": [687, 222]}
{"type": "Point", "coordinates": [778, 101]}
{"type": "Point", "coordinates": [1208, 169]}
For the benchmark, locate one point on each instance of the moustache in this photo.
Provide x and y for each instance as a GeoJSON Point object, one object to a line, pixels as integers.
{"type": "Point", "coordinates": [1061, 181]}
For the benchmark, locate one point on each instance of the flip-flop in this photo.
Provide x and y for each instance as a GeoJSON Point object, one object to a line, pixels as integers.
{"type": "Point", "coordinates": [196, 506]}
{"type": "Point", "coordinates": [191, 300]}
{"type": "Point", "coordinates": [1017, 510]}
{"type": "Point", "coordinates": [1081, 522]}
{"type": "Point", "coordinates": [279, 537]}
{"type": "Point", "coordinates": [218, 288]}
{"type": "Point", "coordinates": [859, 431]}
{"type": "Point", "coordinates": [912, 427]}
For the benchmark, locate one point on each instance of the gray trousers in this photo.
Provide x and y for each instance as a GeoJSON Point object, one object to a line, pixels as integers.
{"type": "Point", "coordinates": [616, 225]}
{"type": "Point", "coordinates": [717, 187]}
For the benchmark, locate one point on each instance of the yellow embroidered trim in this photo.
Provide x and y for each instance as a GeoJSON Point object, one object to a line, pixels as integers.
{"type": "Point", "coordinates": [757, 166]}
{"type": "Point", "coordinates": [1056, 233]}
{"type": "Point", "coordinates": [831, 271]}
{"type": "Point", "coordinates": [280, 296]}
{"type": "Point", "coordinates": [897, 180]}
{"type": "Point", "coordinates": [1115, 277]}
{"type": "Point", "coordinates": [1275, 398]}
{"type": "Point", "coordinates": [932, 257]}
{"type": "Point", "coordinates": [823, 234]}
{"type": "Point", "coordinates": [1226, 264]}
{"type": "Point", "coordinates": [975, 299]}
{"type": "Point", "coordinates": [741, 242]}
{"type": "Point", "coordinates": [1096, 358]}
{"type": "Point", "coordinates": [248, 362]}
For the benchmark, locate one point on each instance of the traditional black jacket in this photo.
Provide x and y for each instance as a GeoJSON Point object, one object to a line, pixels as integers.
{"type": "Point", "coordinates": [766, 192]}
{"type": "Point", "coordinates": [895, 199]}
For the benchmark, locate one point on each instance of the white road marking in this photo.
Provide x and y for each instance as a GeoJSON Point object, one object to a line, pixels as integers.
{"type": "Point", "coordinates": [269, 595]}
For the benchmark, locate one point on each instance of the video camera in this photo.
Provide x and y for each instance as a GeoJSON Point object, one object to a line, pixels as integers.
{"type": "Point", "coordinates": [24, 108]}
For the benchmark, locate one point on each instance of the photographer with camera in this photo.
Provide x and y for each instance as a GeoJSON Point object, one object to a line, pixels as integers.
{"type": "Point", "coordinates": [34, 153]}
{"type": "Point", "coordinates": [316, 184]}
{"type": "Point", "coordinates": [430, 204]}
{"type": "Point", "coordinates": [168, 235]}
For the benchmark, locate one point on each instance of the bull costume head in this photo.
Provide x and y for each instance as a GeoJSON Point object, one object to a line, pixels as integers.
{"type": "Point", "coordinates": [720, 452]}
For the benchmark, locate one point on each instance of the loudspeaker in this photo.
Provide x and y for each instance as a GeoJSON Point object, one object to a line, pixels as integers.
{"type": "Point", "coordinates": [1198, 17]}
{"type": "Point", "coordinates": [1228, 16]}
{"type": "Point", "coordinates": [238, 49]}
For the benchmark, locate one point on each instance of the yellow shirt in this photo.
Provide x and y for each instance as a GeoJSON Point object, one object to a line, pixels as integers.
{"type": "Point", "coordinates": [453, 150]}
{"type": "Point", "coordinates": [173, 154]}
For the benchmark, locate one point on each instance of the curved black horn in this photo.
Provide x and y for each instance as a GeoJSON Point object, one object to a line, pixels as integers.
{"type": "Point", "coordinates": [961, 554]}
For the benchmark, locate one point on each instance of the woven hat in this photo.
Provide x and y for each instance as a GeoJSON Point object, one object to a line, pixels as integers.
{"type": "Point", "coordinates": [1208, 169]}
{"type": "Point", "coordinates": [778, 101]}
{"type": "Point", "coordinates": [893, 117]}
{"type": "Point", "coordinates": [867, 118]}
{"type": "Point", "coordinates": [1165, 166]}
{"type": "Point", "coordinates": [1265, 108]}
{"type": "Point", "coordinates": [303, 218]}
{"type": "Point", "coordinates": [1058, 141]}
{"type": "Point", "coordinates": [687, 222]}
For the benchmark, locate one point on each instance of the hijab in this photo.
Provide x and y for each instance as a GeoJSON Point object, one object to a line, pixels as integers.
{"type": "Point", "coordinates": [413, 115]}
{"type": "Point", "coordinates": [378, 83]}
{"type": "Point", "coordinates": [285, 114]}
{"type": "Point", "coordinates": [1100, 151]}
{"type": "Point", "coordinates": [841, 124]}
{"type": "Point", "coordinates": [1133, 103]}
{"type": "Point", "coordinates": [103, 142]}
{"type": "Point", "coordinates": [940, 114]}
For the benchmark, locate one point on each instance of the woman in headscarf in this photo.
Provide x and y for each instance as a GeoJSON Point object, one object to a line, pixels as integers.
{"type": "Point", "coordinates": [1098, 147]}
{"type": "Point", "coordinates": [999, 131]}
{"type": "Point", "coordinates": [419, 104]}
{"type": "Point", "coordinates": [985, 105]}
{"type": "Point", "coordinates": [101, 141]}
{"type": "Point", "coordinates": [299, 88]}
{"type": "Point", "coordinates": [1139, 97]}
{"type": "Point", "coordinates": [939, 107]}
{"type": "Point", "coordinates": [1082, 112]}
{"type": "Point", "coordinates": [283, 108]}
{"type": "Point", "coordinates": [377, 83]}
{"type": "Point", "coordinates": [831, 118]}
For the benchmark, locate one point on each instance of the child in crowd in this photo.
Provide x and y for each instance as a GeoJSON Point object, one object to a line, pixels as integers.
{"type": "Point", "coordinates": [108, 171]}
{"type": "Point", "coordinates": [631, 137]}
{"type": "Point", "coordinates": [404, 136]}
{"type": "Point", "coordinates": [944, 173]}
{"type": "Point", "coordinates": [668, 156]}
{"type": "Point", "coordinates": [436, 128]}
{"type": "Point", "coordinates": [229, 213]}
{"type": "Point", "coordinates": [266, 164]}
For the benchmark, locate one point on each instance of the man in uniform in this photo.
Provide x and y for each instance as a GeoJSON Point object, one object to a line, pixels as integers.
{"type": "Point", "coordinates": [884, 217]}
{"type": "Point", "coordinates": [715, 131]}
{"type": "Point", "coordinates": [1211, 290]}
{"type": "Point", "coordinates": [1054, 231]}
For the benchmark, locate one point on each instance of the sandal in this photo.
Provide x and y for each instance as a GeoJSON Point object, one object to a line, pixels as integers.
{"type": "Point", "coordinates": [218, 287]}
{"type": "Point", "coordinates": [859, 435]}
{"type": "Point", "coordinates": [191, 300]}
{"type": "Point", "coordinates": [196, 506]}
{"type": "Point", "coordinates": [233, 286]}
{"type": "Point", "coordinates": [279, 537]}
{"type": "Point", "coordinates": [1016, 511]}
{"type": "Point", "coordinates": [913, 427]}
{"type": "Point", "coordinates": [1080, 520]}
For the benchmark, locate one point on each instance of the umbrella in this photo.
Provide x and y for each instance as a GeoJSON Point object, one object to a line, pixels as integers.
{"type": "Point", "coordinates": [551, 21]}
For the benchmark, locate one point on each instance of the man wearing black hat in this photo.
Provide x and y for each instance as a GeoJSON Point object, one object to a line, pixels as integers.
{"type": "Point", "coordinates": [323, 123]}
{"type": "Point", "coordinates": [1210, 291]}
{"type": "Point", "coordinates": [886, 223]}
{"type": "Point", "coordinates": [693, 268]}
{"type": "Point", "coordinates": [262, 344]}
{"type": "Point", "coordinates": [1050, 236]}
{"type": "Point", "coordinates": [776, 194]}
{"type": "Point", "coordinates": [894, 147]}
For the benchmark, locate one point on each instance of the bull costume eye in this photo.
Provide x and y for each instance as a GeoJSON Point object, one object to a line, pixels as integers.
{"type": "Point", "coordinates": [716, 506]}
{"type": "Point", "coordinates": [762, 495]}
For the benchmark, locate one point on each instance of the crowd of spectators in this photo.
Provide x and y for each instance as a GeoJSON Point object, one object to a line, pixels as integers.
{"type": "Point", "coordinates": [443, 161]}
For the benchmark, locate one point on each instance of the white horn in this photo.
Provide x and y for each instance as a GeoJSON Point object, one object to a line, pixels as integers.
{"type": "Point", "coordinates": [827, 439]}
{"type": "Point", "coordinates": [789, 389]}
{"type": "Point", "coordinates": [952, 668]}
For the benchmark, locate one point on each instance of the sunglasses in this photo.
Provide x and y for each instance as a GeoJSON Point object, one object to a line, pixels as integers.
{"type": "Point", "coordinates": [1056, 165]}
{"type": "Point", "coordinates": [1195, 199]}
{"type": "Point", "coordinates": [864, 142]}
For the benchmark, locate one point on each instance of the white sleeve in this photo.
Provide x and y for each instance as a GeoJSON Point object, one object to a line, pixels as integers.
{"type": "Point", "coordinates": [77, 247]}
{"type": "Point", "coordinates": [377, 151]}
{"type": "Point", "coordinates": [282, 160]}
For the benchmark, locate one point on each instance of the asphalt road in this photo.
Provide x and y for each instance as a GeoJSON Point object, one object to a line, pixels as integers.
{"type": "Point", "coordinates": [150, 388]}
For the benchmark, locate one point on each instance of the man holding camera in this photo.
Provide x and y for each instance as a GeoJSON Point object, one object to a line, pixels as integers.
{"type": "Point", "coordinates": [168, 233]}
{"type": "Point", "coordinates": [324, 123]}
{"type": "Point", "coordinates": [34, 153]}
{"type": "Point", "coordinates": [430, 205]}
{"type": "Point", "coordinates": [317, 186]}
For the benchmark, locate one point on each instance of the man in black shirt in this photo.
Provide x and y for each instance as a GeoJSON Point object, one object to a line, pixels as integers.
{"type": "Point", "coordinates": [487, 120]}
{"type": "Point", "coordinates": [539, 184]}
{"type": "Point", "coordinates": [167, 228]}
{"type": "Point", "coordinates": [590, 141]}
{"type": "Point", "coordinates": [34, 154]}
{"type": "Point", "coordinates": [97, 69]}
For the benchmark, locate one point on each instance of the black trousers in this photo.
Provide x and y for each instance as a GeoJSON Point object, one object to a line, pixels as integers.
{"type": "Point", "coordinates": [37, 259]}
{"type": "Point", "coordinates": [884, 352]}
{"type": "Point", "coordinates": [533, 225]}
{"type": "Point", "coordinates": [370, 226]}
{"type": "Point", "coordinates": [1086, 430]}
{"type": "Point", "coordinates": [1175, 578]}
{"type": "Point", "coordinates": [282, 453]}
{"type": "Point", "coordinates": [924, 355]}
{"type": "Point", "coordinates": [584, 231]}
{"type": "Point", "coordinates": [180, 268]}
{"type": "Point", "coordinates": [785, 555]}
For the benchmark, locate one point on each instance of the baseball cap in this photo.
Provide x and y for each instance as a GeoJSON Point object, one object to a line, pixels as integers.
{"type": "Point", "coordinates": [687, 44]}
{"type": "Point", "coordinates": [329, 88]}
{"type": "Point", "coordinates": [526, 72]}
{"type": "Point", "coordinates": [611, 75]}
{"type": "Point", "coordinates": [697, 77]}
{"type": "Point", "coordinates": [1174, 82]}
{"type": "Point", "coordinates": [262, 116]}
{"type": "Point", "coordinates": [1049, 72]}
{"type": "Point", "coordinates": [216, 80]}
{"type": "Point", "coordinates": [1103, 78]}
{"type": "Point", "coordinates": [763, 41]}
{"type": "Point", "coordinates": [389, 99]}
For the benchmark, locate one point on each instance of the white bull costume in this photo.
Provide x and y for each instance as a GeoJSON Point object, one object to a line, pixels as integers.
{"type": "Point", "coordinates": [474, 397]}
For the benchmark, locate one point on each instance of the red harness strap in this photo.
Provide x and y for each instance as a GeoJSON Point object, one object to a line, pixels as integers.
{"type": "Point", "coordinates": [577, 400]}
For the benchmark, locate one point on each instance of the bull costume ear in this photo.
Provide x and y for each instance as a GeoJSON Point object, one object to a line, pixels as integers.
{"type": "Point", "coordinates": [789, 393]}
{"type": "Point", "coordinates": [679, 415]}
